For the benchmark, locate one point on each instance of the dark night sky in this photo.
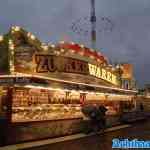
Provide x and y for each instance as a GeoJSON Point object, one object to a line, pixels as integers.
{"type": "Point", "coordinates": [50, 21]}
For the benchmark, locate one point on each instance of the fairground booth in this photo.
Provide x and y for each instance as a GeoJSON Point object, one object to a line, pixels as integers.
{"type": "Point", "coordinates": [43, 86]}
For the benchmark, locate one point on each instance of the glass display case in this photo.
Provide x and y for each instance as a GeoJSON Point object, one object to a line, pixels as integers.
{"type": "Point", "coordinates": [38, 105]}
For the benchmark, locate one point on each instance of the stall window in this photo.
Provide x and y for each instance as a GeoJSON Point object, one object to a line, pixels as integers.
{"type": "Point", "coordinates": [36, 104]}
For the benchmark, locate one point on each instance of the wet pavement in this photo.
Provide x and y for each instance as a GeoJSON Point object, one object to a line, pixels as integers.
{"type": "Point", "coordinates": [140, 131]}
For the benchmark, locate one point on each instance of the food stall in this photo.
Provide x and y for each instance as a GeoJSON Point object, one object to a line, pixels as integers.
{"type": "Point", "coordinates": [44, 87]}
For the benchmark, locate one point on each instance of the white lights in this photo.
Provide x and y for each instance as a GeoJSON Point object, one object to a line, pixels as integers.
{"type": "Point", "coordinates": [10, 42]}
{"type": "Point", "coordinates": [16, 28]}
{"type": "Point", "coordinates": [11, 45]}
{"type": "Point", "coordinates": [11, 66]}
{"type": "Point", "coordinates": [118, 66]}
{"type": "Point", "coordinates": [57, 53]}
{"type": "Point", "coordinates": [53, 46]}
{"type": "Point", "coordinates": [41, 87]}
{"type": "Point", "coordinates": [30, 35]}
{"type": "Point", "coordinates": [60, 80]}
{"type": "Point", "coordinates": [11, 53]}
{"type": "Point", "coordinates": [82, 46]}
{"type": "Point", "coordinates": [113, 95]}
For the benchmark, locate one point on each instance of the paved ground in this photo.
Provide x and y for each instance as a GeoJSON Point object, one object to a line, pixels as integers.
{"type": "Point", "coordinates": [140, 131]}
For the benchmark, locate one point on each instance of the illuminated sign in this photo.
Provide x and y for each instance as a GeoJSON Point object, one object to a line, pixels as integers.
{"type": "Point", "coordinates": [127, 70]}
{"type": "Point", "coordinates": [51, 63]}
{"type": "Point", "coordinates": [45, 64]}
{"type": "Point", "coordinates": [102, 73]}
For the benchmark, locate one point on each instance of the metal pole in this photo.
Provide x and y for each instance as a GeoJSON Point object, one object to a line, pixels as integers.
{"type": "Point", "coordinates": [93, 25]}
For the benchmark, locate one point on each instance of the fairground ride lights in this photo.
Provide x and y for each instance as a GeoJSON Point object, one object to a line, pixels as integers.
{"type": "Point", "coordinates": [102, 73]}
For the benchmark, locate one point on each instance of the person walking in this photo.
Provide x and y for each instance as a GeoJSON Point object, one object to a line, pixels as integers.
{"type": "Point", "coordinates": [3, 123]}
{"type": "Point", "coordinates": [141, 107]}
{"type": "Point", "coordinates": [102, 120]}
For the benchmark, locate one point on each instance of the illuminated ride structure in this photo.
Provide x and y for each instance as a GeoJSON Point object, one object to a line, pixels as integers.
{"type": "Point", "coordinates": [43, 87]}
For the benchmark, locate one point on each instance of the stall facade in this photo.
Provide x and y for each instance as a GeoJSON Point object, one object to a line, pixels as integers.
{"type": "Point", "coordinates": [43, 87]}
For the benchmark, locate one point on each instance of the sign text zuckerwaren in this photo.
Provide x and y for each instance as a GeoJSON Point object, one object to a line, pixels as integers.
{"type": "Point", "coordinates": [51, 63]}
{"type": "Point", "coordinates": [102, 73]}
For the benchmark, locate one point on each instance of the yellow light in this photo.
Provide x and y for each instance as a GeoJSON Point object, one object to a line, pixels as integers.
{"type": "Point", "coordinates": [62, 50]}
{"type": "Point", "coordinates": [118, 66]}
{"type": "Point", "coordinates": [57, 53]}
{"type": "Point", "coordinates": [11, 63]}
{"type": "Point", "coordinates": [12, 52]}
{"type": "Point", "coordinates": [45, 47]}
{"type": "Point", "coordinates": [32, 37]}
{"type": "Point", "coordinates": [1, 38]}
{"type": "Point", "coordinates": [11, 47]}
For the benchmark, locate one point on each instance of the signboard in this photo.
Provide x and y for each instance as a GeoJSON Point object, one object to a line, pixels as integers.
{"type": "Point", "coordinates": [45, 64]}
{"type": "Point", "coordinates": [127, 71]}
{"type": "Point", "coordinates": [52, 63]}
{"type": "Point", "coordinates": [23, 61]}
{"type": "Point", "coordinates": [14, 80]}
{"type": "Point", "coordinates": [102, 73]}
